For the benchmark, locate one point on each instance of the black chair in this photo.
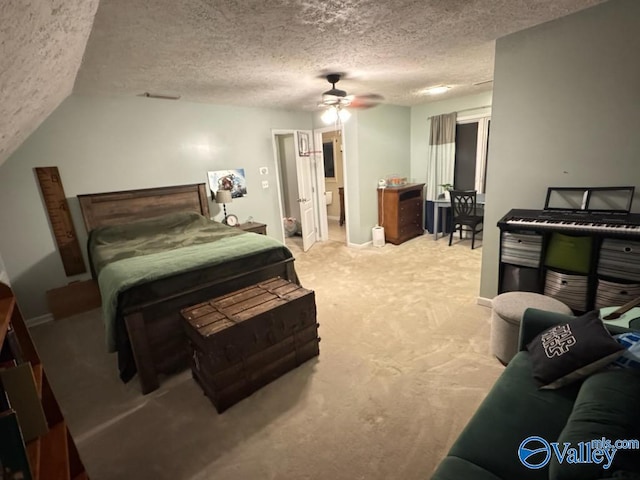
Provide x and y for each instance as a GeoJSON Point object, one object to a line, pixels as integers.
{"type": "Point", "coordinates": [465, 214]}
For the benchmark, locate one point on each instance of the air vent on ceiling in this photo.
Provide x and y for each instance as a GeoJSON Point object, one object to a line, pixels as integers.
{"type": "Point", "coordinates": [162, 96]}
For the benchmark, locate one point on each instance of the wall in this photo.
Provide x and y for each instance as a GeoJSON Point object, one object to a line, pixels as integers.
{"type": "Point", "coordinates": [119, 143]}
{"type": "Point", "coordinates": [41, 49]}
{"type": "Point", "coordinates": [421, 125]}
{"type": "Point", "coordinates": [376, 144]}
{"type": "Point", "coordinates": [4, 277]}
{"type": "Point", "coordinates": [565, 113]}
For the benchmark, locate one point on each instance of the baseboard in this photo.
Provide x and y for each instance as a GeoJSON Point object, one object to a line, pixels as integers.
{"type": "Point", "coordinates": [360, 245]}
{"type": "Point", "coordinates": [485, 302]}
{"type": "Point", "coordinates": [331, 217]}
{"type": "Point", "coordinates": [32, 322]}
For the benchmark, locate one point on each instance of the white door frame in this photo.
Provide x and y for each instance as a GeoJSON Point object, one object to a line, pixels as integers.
{"type": "Point", "coordinates": [482, 119]}
{"type": "Point", "coordinates": [276, 165]}
{"type": "Point", "coordinates": [307, 198]}
{"type": "Point", "coordinates": [323, 224]}
{"type": "Point", "coordinates": [314, 182]}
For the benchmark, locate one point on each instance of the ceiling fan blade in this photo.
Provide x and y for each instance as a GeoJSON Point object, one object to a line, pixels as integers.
{"type": "Point", "coordinates": [366, 101]}
{"type": "Point", "coordinates": [328, 99]}
{"type": "Point", "coordinates": [339, 98]}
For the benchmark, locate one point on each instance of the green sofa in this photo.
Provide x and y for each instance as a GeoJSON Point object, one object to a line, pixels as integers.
{"type": "Point", "coordinates": [515, 409]}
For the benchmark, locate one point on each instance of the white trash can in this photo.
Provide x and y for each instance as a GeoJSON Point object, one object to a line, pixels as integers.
{"type": "Point", "coordinates": [378, 236]}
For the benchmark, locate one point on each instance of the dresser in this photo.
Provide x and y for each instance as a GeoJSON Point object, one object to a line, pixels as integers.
{"type": "Point", "coordinates": [400, 212]}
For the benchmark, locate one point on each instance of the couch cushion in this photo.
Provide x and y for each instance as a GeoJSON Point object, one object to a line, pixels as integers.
{"type": "Point", "coordinates": [513, 410]}
{"type": "Point", "coordinates": [606, 406]}
{"type": "Point", "coordinates": [573, 350]}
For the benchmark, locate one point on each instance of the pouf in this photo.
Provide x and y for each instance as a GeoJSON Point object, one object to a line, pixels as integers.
{"type": "Point", "coordinates": [507, 310]}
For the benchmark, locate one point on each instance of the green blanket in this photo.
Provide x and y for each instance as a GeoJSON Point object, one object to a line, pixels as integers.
{"type": "Point", "coordinates": [127, 255]}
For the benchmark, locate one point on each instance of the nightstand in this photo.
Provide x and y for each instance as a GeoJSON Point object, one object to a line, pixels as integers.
{"type": "Point", "coordinates": [254, 227]}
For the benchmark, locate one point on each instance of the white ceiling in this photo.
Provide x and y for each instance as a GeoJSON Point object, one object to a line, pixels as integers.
{"type": "Point", "coordinates": [269, 53]}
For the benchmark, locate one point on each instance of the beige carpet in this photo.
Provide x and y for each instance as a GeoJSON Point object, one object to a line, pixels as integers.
{"type": "Point", "coordinates": [404, 362]}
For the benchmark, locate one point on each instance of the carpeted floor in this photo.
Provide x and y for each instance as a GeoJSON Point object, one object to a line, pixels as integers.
{"type": "Point", "coordinates": [404, 362]}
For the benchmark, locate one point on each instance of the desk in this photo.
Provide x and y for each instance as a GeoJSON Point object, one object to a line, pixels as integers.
{"type": "Point", "coordinates": [444, 203]}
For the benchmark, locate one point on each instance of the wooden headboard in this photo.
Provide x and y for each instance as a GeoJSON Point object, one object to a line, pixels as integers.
{"type": "Point", "coordinates": [101, 209]}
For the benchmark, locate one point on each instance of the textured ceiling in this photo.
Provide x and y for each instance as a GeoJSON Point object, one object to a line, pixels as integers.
{"type": "Point", "coordinates": [41, 47]}
{"type": "Point", "coordinates": [270, 53]}
{"type": "Point", "coordinates": [248, 52]}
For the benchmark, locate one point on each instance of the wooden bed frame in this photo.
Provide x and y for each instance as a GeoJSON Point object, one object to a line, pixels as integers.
{"type": "Point", "coordinates": [153, 322]}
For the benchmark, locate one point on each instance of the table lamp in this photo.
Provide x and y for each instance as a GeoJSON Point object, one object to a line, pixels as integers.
{"type": "Point", "coordinates": [224, 197]}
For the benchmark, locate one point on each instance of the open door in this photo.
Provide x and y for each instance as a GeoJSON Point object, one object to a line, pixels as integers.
{"type": "Point", "coordinates": [304, 152]}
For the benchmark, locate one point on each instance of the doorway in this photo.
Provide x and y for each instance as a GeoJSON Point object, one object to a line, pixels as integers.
{"type": "Point", "coordinates": [302, 186]}
{"type": "Point", "coordinates": [334, 185]}
{"type": "Point", "coordinates": [286, 163]}
{"type": "Point", "coordinates": [296, 162]}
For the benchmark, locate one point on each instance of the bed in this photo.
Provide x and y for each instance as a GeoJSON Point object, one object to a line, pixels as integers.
{"type": "Point", "coordinates": [155, 251]}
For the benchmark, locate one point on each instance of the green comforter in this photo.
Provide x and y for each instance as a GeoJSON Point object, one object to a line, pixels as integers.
{"type": "Point", "coordinates": [123, 256]}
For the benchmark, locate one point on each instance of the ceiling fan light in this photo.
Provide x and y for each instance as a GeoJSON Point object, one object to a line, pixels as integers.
{"type": "Point", "coordinates": [329, 116]}
{"type": "Point", "coordinates": [344, 115]}
{"type": "Point", "coordinates": [436, 90]}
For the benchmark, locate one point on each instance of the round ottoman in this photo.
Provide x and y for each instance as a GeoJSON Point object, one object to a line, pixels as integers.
{"type": "Point", "coordinates": [506, 315]}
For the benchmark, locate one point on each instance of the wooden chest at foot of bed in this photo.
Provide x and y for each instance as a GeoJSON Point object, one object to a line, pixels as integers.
{"type": "Point", "coordinates": [241, 341]}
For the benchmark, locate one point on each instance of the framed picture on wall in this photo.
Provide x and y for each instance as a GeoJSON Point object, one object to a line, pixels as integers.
{"type": "Point", "coordinates": [303, 144]}
{"type": "Point", "coordinates": [233, 180]}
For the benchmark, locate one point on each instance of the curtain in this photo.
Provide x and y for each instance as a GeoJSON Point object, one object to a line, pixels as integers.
{"type": "Point", "coordinates": [442, 153]}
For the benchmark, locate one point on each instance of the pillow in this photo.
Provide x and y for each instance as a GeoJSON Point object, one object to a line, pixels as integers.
{"type": "Point", "coordinates": [606, 407]}
{"type": "Point", "coordinates": [630, 358]}
{"type": "Point", "coordinates": [571, 351]}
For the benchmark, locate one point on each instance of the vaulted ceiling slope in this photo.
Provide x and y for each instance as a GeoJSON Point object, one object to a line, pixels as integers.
{"type": "Point", "coordinates": [249, 52]}
{"type": "Point", "coordinates": [41, 48]}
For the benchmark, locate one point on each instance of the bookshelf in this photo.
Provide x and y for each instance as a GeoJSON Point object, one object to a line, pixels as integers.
{"type": "Point", "coordinates": [53, 455]}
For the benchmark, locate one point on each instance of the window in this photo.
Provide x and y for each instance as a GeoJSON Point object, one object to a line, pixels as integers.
{"type": "Point", "coordinates": [472, 140]}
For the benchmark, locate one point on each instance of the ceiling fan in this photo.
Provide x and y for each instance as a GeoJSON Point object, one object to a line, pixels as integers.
{"type": "Point", "coordinates": [338, 99]}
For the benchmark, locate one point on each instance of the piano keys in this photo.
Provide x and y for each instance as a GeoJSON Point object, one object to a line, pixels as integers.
{"type": "Point", "coordinates": [610, 224]}
{"type": "Point", "coordinates": [613, 271]}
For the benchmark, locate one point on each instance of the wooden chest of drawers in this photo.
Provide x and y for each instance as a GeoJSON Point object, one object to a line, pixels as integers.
{"type": "Point", "coordinates": [400, 212]}
{"type": "Point", "coordinates": [242, 341]}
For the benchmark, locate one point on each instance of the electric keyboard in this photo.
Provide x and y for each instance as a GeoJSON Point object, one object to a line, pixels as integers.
{"type": "Point", "coordinates": [616, 224]}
